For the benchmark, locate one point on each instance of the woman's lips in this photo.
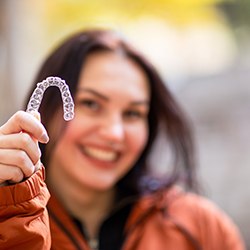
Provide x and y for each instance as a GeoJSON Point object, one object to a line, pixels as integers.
{"type": "Point", "coordinates": [100, 154]}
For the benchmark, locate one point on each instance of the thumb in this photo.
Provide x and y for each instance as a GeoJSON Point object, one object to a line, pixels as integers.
{"type": "Point", "coordinates": [37, 115]}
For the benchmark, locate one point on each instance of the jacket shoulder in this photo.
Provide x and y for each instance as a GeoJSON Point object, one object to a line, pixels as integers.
{"type": "Point", "coordinates": [203, 218]}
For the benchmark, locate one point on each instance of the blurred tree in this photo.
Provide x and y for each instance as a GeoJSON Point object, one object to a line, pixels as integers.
{"type": "Point", "coordinates": [237, 12]}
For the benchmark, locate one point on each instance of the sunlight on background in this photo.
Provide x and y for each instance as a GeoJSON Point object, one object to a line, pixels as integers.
{"type": "Point", "coordinates": [182, 38]}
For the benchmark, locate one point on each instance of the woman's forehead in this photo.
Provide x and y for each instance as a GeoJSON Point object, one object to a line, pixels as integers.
{"type": "Point", "coordinates": [110, 70]}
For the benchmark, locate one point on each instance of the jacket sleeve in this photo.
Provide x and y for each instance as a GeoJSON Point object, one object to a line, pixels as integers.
{"type": "Point", "coordinates": [24, 222]}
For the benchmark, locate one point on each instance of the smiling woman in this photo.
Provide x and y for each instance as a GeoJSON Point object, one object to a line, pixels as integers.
{"type": "Point", "coordinates": [101, 139]}
{"type": "Point", "coordinates": [104, 194]}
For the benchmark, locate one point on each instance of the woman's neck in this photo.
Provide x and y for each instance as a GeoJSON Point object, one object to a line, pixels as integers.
{"type": "Point", "coordinates": [89, 206]}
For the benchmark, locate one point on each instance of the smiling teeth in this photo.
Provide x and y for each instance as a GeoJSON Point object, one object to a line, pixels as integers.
{"type": "Point", "coordinates": [100, 154]}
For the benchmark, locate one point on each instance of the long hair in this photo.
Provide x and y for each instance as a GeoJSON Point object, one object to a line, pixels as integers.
{"type": "Point", "coordinates": [165, 115]}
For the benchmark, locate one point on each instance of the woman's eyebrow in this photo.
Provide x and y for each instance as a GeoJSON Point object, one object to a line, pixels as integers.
{"type": "Point", "coordinates": [94, 92]}
{"type": "Point", "coordinates": [146, 102]}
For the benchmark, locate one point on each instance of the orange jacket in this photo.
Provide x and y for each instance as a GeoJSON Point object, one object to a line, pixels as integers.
{"type": "Point", "coordinates": [172, 220]}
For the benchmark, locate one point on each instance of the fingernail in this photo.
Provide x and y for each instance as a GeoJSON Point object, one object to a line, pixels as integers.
{"type": "Point", "coordinates": [45, 138]}
{"type": "Point", "coordinates": [36, 115]}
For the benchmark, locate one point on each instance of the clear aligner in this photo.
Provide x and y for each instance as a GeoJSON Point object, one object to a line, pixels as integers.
{"type": "Point", "coordinates": [37, 96]}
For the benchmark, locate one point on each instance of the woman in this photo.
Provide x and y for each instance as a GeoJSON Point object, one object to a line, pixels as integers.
{"type": "Point", "coordinates": [104, 193]}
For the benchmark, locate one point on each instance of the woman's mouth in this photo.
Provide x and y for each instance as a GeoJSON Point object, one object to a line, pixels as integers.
{"type": "Point", "coordinates": [100, 154]}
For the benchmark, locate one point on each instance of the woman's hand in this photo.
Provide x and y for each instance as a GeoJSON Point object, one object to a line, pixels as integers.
{"type": "Point", "coordinates": [19, 150]}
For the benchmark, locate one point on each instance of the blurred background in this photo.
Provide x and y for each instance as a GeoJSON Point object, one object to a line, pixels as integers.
{"type": "Point", "coordinates": [201, 48]}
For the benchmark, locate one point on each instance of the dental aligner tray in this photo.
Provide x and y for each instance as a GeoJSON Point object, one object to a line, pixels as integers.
{"type": "Point", "coordinates": [37, 96]}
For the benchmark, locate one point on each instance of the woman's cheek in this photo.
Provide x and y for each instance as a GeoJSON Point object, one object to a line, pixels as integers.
{"type": "Point", "coordinates": [140, 137]}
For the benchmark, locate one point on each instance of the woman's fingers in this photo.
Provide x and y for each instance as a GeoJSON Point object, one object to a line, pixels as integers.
{"type": "Point", "coordinates": [21, 141]}
{"type": "Point", "coordinates": [18, 159]}
{"type": "Point", "coordinates": [19, 149]}
{"type": "Point", "coordinates": [25, 122]}
{"type": "Point", "coordinates": [10, 174]}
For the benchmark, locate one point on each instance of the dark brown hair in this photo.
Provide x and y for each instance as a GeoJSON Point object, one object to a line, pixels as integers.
{"type": "Point", "coordinates": [165, 115]}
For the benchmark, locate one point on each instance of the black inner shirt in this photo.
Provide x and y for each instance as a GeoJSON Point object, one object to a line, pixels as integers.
{"type": "Point", "coordinates": [111, 234]}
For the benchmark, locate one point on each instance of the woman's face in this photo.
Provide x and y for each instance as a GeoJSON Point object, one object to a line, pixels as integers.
{"type": "Point", "coordinates": [110, 129]}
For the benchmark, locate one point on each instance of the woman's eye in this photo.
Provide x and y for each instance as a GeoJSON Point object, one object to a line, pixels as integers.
{"type": "Point", "coordinates": [134, 114]}
{"type": "Point", "coordinates": [90, 104]}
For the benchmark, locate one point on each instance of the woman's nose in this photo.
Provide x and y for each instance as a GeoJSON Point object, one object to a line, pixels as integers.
{"type": "Point", "coordinates": [113, 130]}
